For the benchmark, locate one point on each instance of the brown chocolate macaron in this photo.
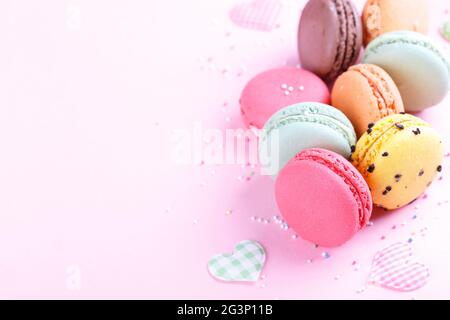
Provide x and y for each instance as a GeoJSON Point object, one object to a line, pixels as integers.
{"type": "Point", "coordinates": [329, 37]}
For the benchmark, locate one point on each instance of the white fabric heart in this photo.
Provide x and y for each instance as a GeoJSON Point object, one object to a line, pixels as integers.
{"type": "Point", "coordinates": [259, 15]}
{"type": "Point", "coordinates": [392, 269]}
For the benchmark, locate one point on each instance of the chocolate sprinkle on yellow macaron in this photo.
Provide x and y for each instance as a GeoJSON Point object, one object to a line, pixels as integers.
{"type": "Point", "coordinates": [400, 176]}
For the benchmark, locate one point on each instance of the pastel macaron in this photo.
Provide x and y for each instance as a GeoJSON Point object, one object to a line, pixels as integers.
{"type": "Point", "coordinates": [381, 16]}
{"type": "Point", "coordinates": [419, 68]}
{"type": "Point", "coordinates": [399, 157]}
{"type": "Point", "coordinates": [323, 197]}
{"type": "Point", "coordinates": [274, 89]}
{"type": "Point", "coordinates": [329, 37]}
{"type": "Point", "coordinates": [304, 126]}
{"type": "Point", "coordinates": [366, 94]}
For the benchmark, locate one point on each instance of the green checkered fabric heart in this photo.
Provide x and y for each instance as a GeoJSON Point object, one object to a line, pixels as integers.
{"type": "Point", "coordinates": [244, 265]}
{"type": "Point", "coordinates": [446, 31]}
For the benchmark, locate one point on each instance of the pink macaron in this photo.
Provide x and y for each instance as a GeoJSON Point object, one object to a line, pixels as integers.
{"type": "Point", "coordinates": [323, 197]}
{"type": "Point", "coordinates": [275, 89]}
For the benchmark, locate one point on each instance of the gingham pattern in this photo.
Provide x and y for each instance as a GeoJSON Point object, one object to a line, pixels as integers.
{"type": "Point", "coordinates": [245, 264]}
{"type": "Point", "coordinates": [259, 15]}
{"type": "Point", "coordinates": [392, 269]}
{"type": "Point", "coordinates": [445, 31]}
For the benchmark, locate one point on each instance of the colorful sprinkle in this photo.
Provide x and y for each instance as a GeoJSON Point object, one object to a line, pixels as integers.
{"type": "Point", "coordinates": [326, 255]}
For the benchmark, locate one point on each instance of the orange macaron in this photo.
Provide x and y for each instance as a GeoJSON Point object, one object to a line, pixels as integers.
{"type": "Point", "coordinates": [381, 16]}
{"type": "Point", "coordinates": [366, 94]}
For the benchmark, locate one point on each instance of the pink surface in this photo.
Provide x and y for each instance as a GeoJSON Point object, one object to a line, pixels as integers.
{"type": "Point", "coordinates": [274, 89]}
{"type": "Point", "coordinates": [319, 194]}
{"type": "Point", "coordinates": [91, 203]}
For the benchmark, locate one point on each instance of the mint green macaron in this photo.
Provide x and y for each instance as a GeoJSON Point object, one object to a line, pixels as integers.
{"type": "Point", "coordinates": [420, 69]}
{"type": "Point", "coordinates": [304, 126]}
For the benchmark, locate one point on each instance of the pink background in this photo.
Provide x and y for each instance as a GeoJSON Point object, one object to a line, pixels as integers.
{"type": "Point", "coordinates": [90, 94]}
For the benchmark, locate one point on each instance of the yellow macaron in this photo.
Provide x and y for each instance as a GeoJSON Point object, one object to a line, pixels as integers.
{"type": "Point", "coordinates": [399, 156]}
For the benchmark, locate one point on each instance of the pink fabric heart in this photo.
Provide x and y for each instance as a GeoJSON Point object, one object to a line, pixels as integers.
{"type": "Point", "coordinates": [392, 269]}
{"type": "Point", "coordinates": [259, 15]}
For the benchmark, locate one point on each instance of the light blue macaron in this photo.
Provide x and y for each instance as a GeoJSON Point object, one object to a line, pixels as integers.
{"type": "Point", "coordinates": [420, 69]}
{"type": "Point", "coordinates": [304, 126]}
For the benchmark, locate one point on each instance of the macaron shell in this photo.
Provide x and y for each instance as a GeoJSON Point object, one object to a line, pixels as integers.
{"type": "Point", "coordinates": [265, 94]}
{"type": "Point", "coordinates": [410, 167]}
{"type": "Point", "coordinates": [319, 36]}
{"type": "Point", "coordinates": [366, 97]}
{"type": "Point", "coordinates": [300, 136]}
{"type": "Point", "coordinates": [416, 66]}
{"type": "Point", "coordinates": [369, 144]}
{"type": "Point", "coordinates": [318, 203]}
{"type": "Point", "coordinates": [329, 37]}
{"type": "Point", "coordinates": [381, 16]}
{"type": "Point", "coordinates": [354, 37]}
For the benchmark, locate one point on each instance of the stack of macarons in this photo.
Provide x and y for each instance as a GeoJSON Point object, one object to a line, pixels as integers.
{"type": "Point", "coordinates": [334, 155]}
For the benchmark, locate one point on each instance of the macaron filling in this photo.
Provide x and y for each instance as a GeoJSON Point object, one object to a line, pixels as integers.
{"type": "Point", "coordinates": [349, 177]}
